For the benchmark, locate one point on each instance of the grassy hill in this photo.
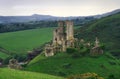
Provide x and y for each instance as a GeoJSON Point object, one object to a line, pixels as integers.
{"type": "Point", "coordinates": [3, 55]}
{"type": "Point", "coordinates": [64, 65]}
{"type": "Point", "coordinates": [20, 42]}
{"type": "Point", "coordinates": [6, 73]}
{"type": "Point", "coordinates": [106, 29]}
{"type": "Point", "coordinates": [23, 41]}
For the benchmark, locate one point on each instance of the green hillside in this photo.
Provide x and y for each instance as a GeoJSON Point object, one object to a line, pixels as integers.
{"type": "Point", "coordinates": [3, 55]}
{"type": "Point", "coordinates": [23, 41]}
{"type": "Point", "coordinates": [106, 29]}
{"type": "Point", "coordinates": [64, 65]}
{"type": "Point", "coordinates": [6, 73]}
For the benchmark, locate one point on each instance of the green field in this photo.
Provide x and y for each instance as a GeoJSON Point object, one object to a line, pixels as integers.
{"type": "Point", "coordinates": [23, 41]}
{"type": "Point", "coordinates": [64, 65]}
{"type": "Point", "coordinates": [6, 73]}
{"type": "Point", "coordinates": [3, 55]}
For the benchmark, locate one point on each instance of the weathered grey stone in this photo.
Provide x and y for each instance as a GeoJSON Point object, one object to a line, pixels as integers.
{"type": "Point", "coordinates": [49, 50]}
{"type": "Point", "coordinates": [13, 64]}
{"type": "Point", "coordinates": [96, 50]}
{"type": "Point", "coordinates": [62, 38]}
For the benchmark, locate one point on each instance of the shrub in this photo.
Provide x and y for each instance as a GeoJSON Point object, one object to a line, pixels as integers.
{"type": "Point", "coordinates": [66, 65]}
{"type": "Point", "coordinates": [75, 53]}
{"type": "Point", "coordinates": [61, 73]}
{"type": "Point", "coordinates": [71, 50]}
{"type": "Point", "coordinates": [110, 56]}
{"type": "Point", "coordinates": [116, 53]}
{"type": "Point", "coordinates": [20, 58]}
{"type": "Point", "coordinates": [102, 46]}
{"type": "Point", "coordinates": [84, 51]}
{"type": "Point", "coordinates": [111, 77]}
{"type": "Point", "coordinates": [112, 63]}
{"type": "Point", "coordinates": [6, 61]}
{"type": "Point", "coordinates": [85, 76]}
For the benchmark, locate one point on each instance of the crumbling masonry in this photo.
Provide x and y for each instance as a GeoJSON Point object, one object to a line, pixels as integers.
{"type": "Point", "coordinates": [63, 37]}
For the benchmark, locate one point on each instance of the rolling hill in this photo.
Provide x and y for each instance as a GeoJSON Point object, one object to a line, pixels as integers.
{"type": "Point", "coordinates": [6, 73]}
{"type": "Point", "coordinates": [63, 64]}
{"type": "Point", "coordinates": [38, 17]}
{"type": "Point", "coordinates": [22, 41]}
{"type": "Point", "coordinates": [34, 17]}
{"type": "Point", "coordinates": [107, 29]}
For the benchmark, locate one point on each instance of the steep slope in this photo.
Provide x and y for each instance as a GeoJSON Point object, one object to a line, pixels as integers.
{"type": "Point", "coordinates": [106, 29]}
{"type": "Point", "coordinates": [64, 65]}
{"type": "Point", "coordinates": [17, 74]}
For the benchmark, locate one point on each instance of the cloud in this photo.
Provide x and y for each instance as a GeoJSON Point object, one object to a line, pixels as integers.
{"type": "Point", "coordinates": [57, 7]}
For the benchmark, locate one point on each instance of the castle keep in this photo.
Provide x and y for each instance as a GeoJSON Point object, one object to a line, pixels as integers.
{"type": "Point", "coordinates": [63, 37]}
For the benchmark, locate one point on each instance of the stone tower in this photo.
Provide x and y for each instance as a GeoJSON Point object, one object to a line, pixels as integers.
{"type": "Point", "coordinates": [63, 37]}
{"type": "Point", "coordinates": [97, 42]}
{"type": "Point", "coordinates": [69, 34]}
{"type": "Point", "coordinates": [58, 34]}
{"type": "Point", "coordinates": [69, 30]}
{"type": "Point", "coordinates": [96, 50]}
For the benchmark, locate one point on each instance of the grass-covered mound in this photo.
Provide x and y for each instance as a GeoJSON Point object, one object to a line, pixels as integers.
{"type": "Point", "coordinates": [23, 41]}
{"type": "Point", "coordinates": [107, 29]}
{"type": "Point", "coordinates": [6, 73]}
{"type": "Point", "coordinates": [64, 64]}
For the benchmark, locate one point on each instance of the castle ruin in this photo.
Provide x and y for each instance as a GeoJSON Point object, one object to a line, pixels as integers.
{"type": "Point", "coordinates": [63, 37]}
{"type": "Point", "coordinates": [96, 50]}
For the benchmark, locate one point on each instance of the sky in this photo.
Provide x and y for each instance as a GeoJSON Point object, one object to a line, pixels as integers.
{"type": "Point", "coordinates": [57, 7]}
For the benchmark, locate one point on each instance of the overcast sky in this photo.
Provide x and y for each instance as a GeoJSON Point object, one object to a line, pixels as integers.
{"type": "Point", "coordinates": [57, 7]}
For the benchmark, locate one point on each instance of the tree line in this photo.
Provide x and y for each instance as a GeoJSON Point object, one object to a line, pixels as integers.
{"type": "Point", "coordinates": [10, 27]}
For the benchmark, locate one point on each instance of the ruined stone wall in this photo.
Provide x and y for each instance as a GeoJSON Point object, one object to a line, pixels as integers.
{"type": "Point", "coordinates": [69, 30]}
{"type": "Point", "coordinates": [55, 38]}
{"type": "Point", "coordinates": [69, 33]}
{"type": "Point", "coordinates": [49, 50]}
{"type": "Point", "coordinates": [58, 34]}
{"type": "Point", "coordinates": [63, 37]}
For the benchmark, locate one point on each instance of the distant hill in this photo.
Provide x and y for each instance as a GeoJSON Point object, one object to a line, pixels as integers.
{"type": "Point", "coordinates": [107, 29]}
{"type": "Point", "coordinates": [37, 17]}
{"type": "Point", "coordinates": [34, 17]}
{"type": "Point", "coordinates": [13, 19]}
{"type": "Point", "coordinates": [107, 14]}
